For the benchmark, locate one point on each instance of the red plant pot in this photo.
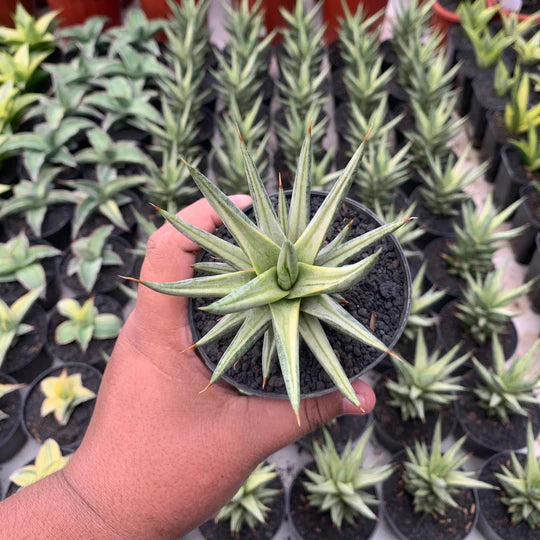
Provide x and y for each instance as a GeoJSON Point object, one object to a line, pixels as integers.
{"type": "Point", "coordinates": [506, 12]}
{"type": "Point", "coordinates": [156, 9]}
{"type": "Point", "coordinates": [333, 11]}
{"type": "Point", "coordinates": [442, 19]}
{"type": "Point", "coordinates": [272, 16]}
{"type": "Point", "coordinates": [7, 9]}
{"type": "Point", "coordinates": [74, 12]}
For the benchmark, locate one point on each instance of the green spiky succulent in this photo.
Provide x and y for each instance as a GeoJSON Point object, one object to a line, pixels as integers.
{"type": "Point", "coordinates": [339, 484]}
{"type": "Point", "coordinates": [420, 303]}
{"type": "Point", "coordinates": [443, 192]}
{"type": "Point", "coordinates": [529, 148]}
{"type": "Point", "coordinates": [488, 47]}
{"type": "Point", "coordinates": [11, 320]}
{"type": "Point", "coordinates": [21, 262]}
{"type": "Point", "coordinates": [87, 38]}
{"type": "Point", "coordinates": [503, 80]}
{"type": "Point", "coordinates": [22, 68]}
{"type": "Point", "coordinates": [505, 391]}
{"type": "Point", "coordinates": [477, 240]}
{"type": "Point", "coordinates": [48, 461]}
{"type": "Point", "coordinates": [528, 50]}
{"type": "Point", "coordinates": [4, 390]}
{"type": "Point", "coordinates": [426, 385]}
{"type": "Point", "coordinates": [482, 311]}
{"type": "Point", "coordinates": [62, 395]}
{"type": "Point", "coordinates": [433, 478]}
{"type": "Point", "coordinates": [518, 115]}
{"type": "Point", "coordinates": [249, 505]}
{"type": "Point", "coordinates": [521, 485]}
{"type": "Point", "coordinates": [278, 281]}
{"type": "Point", "coordinates": [13, 105]}
{"type": "Point", "coordinates": [477, 14]}
{"type": "Point", "coordinates": [84, 323]}
{"type": "Point", "coordinates": [90, 254]}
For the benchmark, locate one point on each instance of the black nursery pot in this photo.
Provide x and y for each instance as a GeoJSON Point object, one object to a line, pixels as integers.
{"type": "Point", "coordinates": [395, 434]}
{"type": "Point", "coordinates": [263, 531]}
{"type": "Point", "coordinates": [12, 436]}
{"type": "Point", "coordinates": [495, 137]}
{"type": "Point", "coordinates": [71, 352]}
{"type": "Point", "coordinates": [527, 214]}
{"type": "Point", "coordinates": [386, 291]}
{"type": "Point", "coordinates": [534, 272]}
{"type": "Point", "coordinates": [40, 429]}
{"type": "Point", "coordinates": [407, 524]}
{"type": "Point", "coordinates": [494, 520]}
{"type": "Point", "coordinates": [309, 523]}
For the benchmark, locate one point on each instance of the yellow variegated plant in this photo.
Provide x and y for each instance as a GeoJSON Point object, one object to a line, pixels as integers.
{"type": "Point", "coordinates": [279, 280]}
{"type": "Point", "coordinates": [4, 390]}
{"type": "Point", "coordinates": [48, 461]}
{"type": "Point", "coordinates": [62, 395]}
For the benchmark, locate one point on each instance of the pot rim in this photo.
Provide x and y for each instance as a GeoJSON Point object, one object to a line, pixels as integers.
{"type": "Point", "coordinates": [397, 334]}
{"type": "Point", "coordinates": [445, 14]}
{"type": "Point", "coordinates": [17, 425]}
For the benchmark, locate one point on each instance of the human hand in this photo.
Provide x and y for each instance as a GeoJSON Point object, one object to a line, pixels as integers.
{"type": "Point", "coordinates": [159, 458]}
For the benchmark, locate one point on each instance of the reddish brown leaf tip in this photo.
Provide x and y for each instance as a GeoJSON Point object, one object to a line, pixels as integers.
{"type": "Point", "coordinates": [130, 279]}
{"type": "Point", "coordinates": [239, 134]}
{"type": "Point", "coordinates": [392, 354]}
{"type": "Point", "coordinates": [361, 409]}
{"type": "Point", "coordinates": [310, 127]}
{"type": "Point", "coordinates": [280, 182]}
{"type": "Point", "coordinates": [206, 388]}
{"type": "Point", "coordinates": [154, 206]}
{"type": "Point", "coordinates": [264, 382]}
{"type": "Point", "coordinates": [410, 219]}
{"type": "Point", "coordinates": [298, 419]}
{"type": "Point", "coordinates": [367, 135]}
{"type": "Point", "coordinates": [350, 223]}
{"type": "Point", "coordinates": [190, 348]}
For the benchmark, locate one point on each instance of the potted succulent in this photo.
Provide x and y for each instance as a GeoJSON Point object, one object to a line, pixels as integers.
{"type": "Point", "coordinates": [527, 216]}
{"type": "Point", "coordinates": [518, 476]}
{"type": "Point", "coordinates": [495, 414]}
{"type": "Point", "coordinates": [290, 306]}
{"type": "Point", "coordinates": [333, 496]}
{"type": "Point", "coordinates": [429, 490]}
{"type": "Point", "coordinates": [255, 511]}
{"type": "Point", "coordinates": [84, 331]}
{"type": "Point", "coordinates": [11, 435]}
{"type": "Point", "coordinates": [412, 398]}
{"type": "Point", "coordinates": [60, 403]}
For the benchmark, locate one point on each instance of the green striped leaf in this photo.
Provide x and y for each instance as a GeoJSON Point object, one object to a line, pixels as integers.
{"type": "Point", "coordinates": [283, 209]}
{"type": "Point", "coordinates": [269, 353]}
{"type": "Point", "coordinates": [336, 242]}
{"type": "Point", "coordinates": [223, 327]}
{"type": "Point", "coordinates": [213, 268]}
{"type": "Point", "coordinates": [300, 200]}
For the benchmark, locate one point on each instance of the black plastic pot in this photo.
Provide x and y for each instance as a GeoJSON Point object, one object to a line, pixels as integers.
{"type": "Point", "coordinates": [464, 80]}
{"type": "Point", "coordinates": [534, 273]}
{"type": "Point", "coordinates": [527, 214]}
{"type": "Point", "coordinates": [495, 137]}
{"type": "Point", "coordinates": [69, 440]}
{"type": "Point", "coordinates": [483, 101]}
{"type": "Point", "coordinates": [12, 436]}
{"type": "Point", "coordinates": [425, 525]}
{"type": "Point", "coordinates": [352, 208]}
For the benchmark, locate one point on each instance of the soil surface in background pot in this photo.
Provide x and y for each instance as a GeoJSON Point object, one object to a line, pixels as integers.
{"type": "Point", "coordinates": [42, 429]}
{"type": "Point", "coordinates": [11, 404]}
{"type": "Point", "coordinates": [312, 524]}
{"type": "Point", "coordinates": [379, 297]}
{"type": "Point", "coordinates": [493, 512]}
{"type": "Point", "coordinates": [438, 270]}
{"type": "Point", "coordinates": [399, 511]}
{"type": "Point", "coordinates": [263, 531]}
{"type": "Point", "coordinates": [72, 351]}
{"type": "Point", "coordinates": [388, 420]}
{"type": "Point", "coordinates": [407, 347]}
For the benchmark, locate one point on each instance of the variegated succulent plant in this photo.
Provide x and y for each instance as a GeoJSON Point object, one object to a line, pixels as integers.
{"type": "Point", "coordinates": [249, 505]}
{"type": "Point", "coordinates": [5, 389]}
{"type": "Point", "coordinates": [339, 484]}
{"type": "Point", "coordinates": [503, 391]}
{"type": "Point", "coordinates": [426, 385]}
{"type": "Point", "coordinates": [433, 478]}
{"type": "Point", "coordinates": [279, 280]}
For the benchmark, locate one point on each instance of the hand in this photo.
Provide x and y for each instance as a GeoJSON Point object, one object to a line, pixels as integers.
{"type": "Point", "coordinates": [159, 458]}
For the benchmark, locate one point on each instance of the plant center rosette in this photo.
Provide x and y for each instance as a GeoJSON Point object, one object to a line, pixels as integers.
{"type": "Point", "coordinates": [279, 281]}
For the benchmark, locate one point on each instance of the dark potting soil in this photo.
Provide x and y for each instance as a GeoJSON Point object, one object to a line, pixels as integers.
{"type": "Point", "coordinates": [26, 347]}
{"type": "Point", "coordinates": [407, 347]}
{"type": "Point", "coordinates": [382, 293]}
{"type": "Point", "coordinates": [450, 5]}
{"type": "Point", "coordinates": [399, 511]}
{"type": "Point", "coordinates": [281, 168]}
{"type": "Point", "coordinates": [107, 279]}
{"type": "Point", "coordinates": [72, 351]}
{"type": "Point", "coordinates": [263, 531]}
{"type": "Point", "coordinates": [437, 269]}
{"type": "Point", "coordinates": [56, 217]}
{"type": "Point", "coordinates": [312, 524]}
{"type": "Point", "coordinates": [343, 429]}
{"type": "Point", "coordinates": [71, 434]}
{"type": "Point", "coordinates": [493, 510]}
{"type": "Point", "coordinates": [10, 404]}
{"type": "Point", "coordinates": [388, 419]}
{"type": "Point", "coordinates": [452, 333]}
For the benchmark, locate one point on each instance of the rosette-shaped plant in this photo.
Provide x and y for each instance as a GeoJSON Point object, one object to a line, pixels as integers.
{"type": "Point", "coordinates": [280, 279]}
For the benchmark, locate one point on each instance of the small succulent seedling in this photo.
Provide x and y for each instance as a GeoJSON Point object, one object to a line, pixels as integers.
{"type": "Point", "coordinates": [518, 116]}
{"type": "Point", "coordinates": [62, 395]}
{"type": "Point", "coordinates": [426, 385]}
{"type": "Point", "coordinates": [249, 505]}
{"type": "Point", "coordinates": [11, 321]}
{"type": "Point", "coordinates": [279, 280]}
{"type": "Point", "coordinates": [339, 483]}
{"type": "Point", "coordinates": [520, 484]}
{"type": "Point", "coordinates": [86, 38]}
{"type": "Point", "coordinates": [90, 254]}
{"type": "Point", "coordinates": [505, 391]}
{"type": "Point", "coordinates": [477, 240]}
{"type": "Point", "coordinates": [135, 65]}
{"type": "Point", "coordinates": [5, 389]}
{"type": "Point", "coordinates": [84, 323]}
{"type": "Point", "coordinates": [21, 262]}
{"type": "Point", "coordinates": [477, 14]}
{"type": "Point", "coordinates": [434, 478]}
{"type": "Point", "coordinates": [528, 50]}
{"type": "Point", "coordinates": [13, 105]}
{"type": "Point", "coordinates": [482, 311]}
{"type": "Point", "coordinates": [48, 461]}
{"type": "Point", "coordinates": [22, 68]}
{"type": "Point", "coordinates": [503, 80]}
{"type": "Point", "coordinates": [420, 303]}
{"type": "Point", "coordinates": [529, 148]}
{"type": "Point", "coordinates": [488, 47]}
{"type": "Point", "coordinates": [33, 199]}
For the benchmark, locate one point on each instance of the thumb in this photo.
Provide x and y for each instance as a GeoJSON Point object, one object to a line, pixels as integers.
{"type": "Point", "coordinates": [274, 425]}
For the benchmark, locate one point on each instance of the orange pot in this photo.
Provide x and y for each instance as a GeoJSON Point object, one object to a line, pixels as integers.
{"type": "Point", "coordinates": [7, 9]}
{"type": "Point", "coordinates": [442, 19]}
{"type": "Point", "coordinates": [74, 12]}
{"type": "Point", "coordinates": [333, 10]}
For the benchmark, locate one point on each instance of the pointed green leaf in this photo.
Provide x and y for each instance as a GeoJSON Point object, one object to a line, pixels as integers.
{"type": "Point", "coordinates": [300, 200]}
